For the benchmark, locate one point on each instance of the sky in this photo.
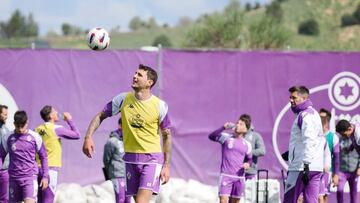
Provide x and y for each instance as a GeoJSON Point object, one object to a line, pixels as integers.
{"type": "Point", "coordinates": [108, 14]}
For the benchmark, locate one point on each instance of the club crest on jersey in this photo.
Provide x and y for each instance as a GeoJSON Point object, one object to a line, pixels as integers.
{"type": "Point", "coordinates": [136, 121]}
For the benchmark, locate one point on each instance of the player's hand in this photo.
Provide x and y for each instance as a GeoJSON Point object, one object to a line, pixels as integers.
{"type": "Point", "coordinates": [229, 125]}
{"type": "Point", "coordinates": [67, 116]}
{"type": "Point", "coordinates": [335, 180]}
{"type": "Point", "coordinates": [306, 174]}
{"type": "Point", "coordinates": [88, 147]}
{"type": "Point", "coordinates": [246, 165]}
{"type": "Point", "coordinates": [44, 183]}
{"type": "Point", "coordinates": [165, 174]}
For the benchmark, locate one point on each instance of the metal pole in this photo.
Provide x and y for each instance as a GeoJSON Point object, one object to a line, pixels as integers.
{"type": "Point", "coordinates": [159, 70]}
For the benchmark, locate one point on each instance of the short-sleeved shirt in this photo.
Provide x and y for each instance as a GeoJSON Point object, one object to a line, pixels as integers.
{"type": "Point", "coordinates": [141, 120]}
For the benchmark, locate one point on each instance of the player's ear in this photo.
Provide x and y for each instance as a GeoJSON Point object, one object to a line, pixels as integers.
{"type": "Point", "coordinates": [150, 82]}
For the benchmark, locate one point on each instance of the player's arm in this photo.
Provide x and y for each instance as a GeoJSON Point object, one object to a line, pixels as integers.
{"type": "Point", "coordinates": [308, 137]}
{"type": "Point", "coordinates": [72, 133]}
{"type": "Point", "coordinates": [108, 151]}
{"type": "Point", "coordinates": [248, 156]}
{"type": "Point", "coordinates": [41, 151]}
{"type": "Point", "coordinates": [259, 149]}
{"type": "Point", "coordinates": [220, 136]}
{"type": "Point", "coordinates": [166, 135]}
{"type": "Point", "coordinates": [89, 146]}
{"type": "Point", "coordinates": [327, 158]}
{"type": "Point", "coordinates": [165, 126]}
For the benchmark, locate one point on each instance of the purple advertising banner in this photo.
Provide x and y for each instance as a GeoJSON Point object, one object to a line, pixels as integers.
{"type": "Point", "coordinates": [204, 89]}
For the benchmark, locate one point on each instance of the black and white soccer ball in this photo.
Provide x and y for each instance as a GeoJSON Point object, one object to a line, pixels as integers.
{"type": "Point", "coordinates": [98, 39]}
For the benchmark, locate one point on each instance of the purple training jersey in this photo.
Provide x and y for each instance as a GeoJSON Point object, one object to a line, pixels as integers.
{"type": "Point", "coordinates": [234, 152]}
{"type": "Point", "coordinates": [22, 149]}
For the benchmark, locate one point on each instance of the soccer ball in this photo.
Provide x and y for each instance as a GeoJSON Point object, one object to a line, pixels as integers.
{"type": "Point", "coordinates": [98, 39]}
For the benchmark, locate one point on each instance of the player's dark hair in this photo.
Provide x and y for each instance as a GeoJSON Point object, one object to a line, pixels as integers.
{"type": "Point", "coordinates": [300, 89]}
{"type": "Point", "coordinates": [45, 113]}
{"type": "Point", "coordinates": [342, 126]}
{"type": "Point", "coordinates": [151, 73]}
{"type": "Point", "coordinates": [20, 119]}
{"type": "Point", "coordinates": [327, 114]}
{"type": "Point", "coordinates": [2, 107]}
{"type": "Point", "coordinates": [246, 119]}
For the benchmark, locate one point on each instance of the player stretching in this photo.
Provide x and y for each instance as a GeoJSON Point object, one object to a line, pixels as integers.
{"type": "Point", "coordinates": [142, 114]}
{"type": "Point", "coordinates": [235, 149]}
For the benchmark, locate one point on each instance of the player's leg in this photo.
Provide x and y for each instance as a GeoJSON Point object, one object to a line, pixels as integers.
{"type": "Point", "coordinates": [327, 178]}
{"type": "Point", "coordinates": [225, 187]}
{"type": "Point", "coordinates": [27, 200]}
{"type": "Point", "coordinates": [4, 186]}
{"type": "Point", "coordinates": [224, 199]}
{"type": "Point", "coordinates": [353, 187]}
{"type": "Point", "coordinates": [15, 191]}
{"type": "Point", "coordinates": [143, 196]}
{"type": "Point", "coordinates": [132, 180]}
{"type": "Point", "coordinates": [322, 188]}
{"type": "Point", "coordinates": [238, 190]}
{"type": "Point", "coordinates": [149, 182]}
{"type": "Point", "coordinates": [48, 195]}
{"type": "Point", "coordinates": [30, 190]}
{"type": "Point", "coordinates": [311, 190]}
{"type": "Point", "coordinates": [293, 188]}
{"type": "Point", "coordinates": [119, 189]}
{"type": "Point", "coordinates": [340, 187]}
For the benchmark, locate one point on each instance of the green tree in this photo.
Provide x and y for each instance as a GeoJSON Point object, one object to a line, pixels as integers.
{"type": "Point", "coordinates": [15, 26]}
{"type": "Point", "coordinates": [136, 23]}
{"type": "Point", "coordinates": [275, 11]}
{"type": "Point", "coordinates": [356, 13]}
{"type": "Point", "coordinates": [218, 29]}
{"type": "Point", "coordinates": [32, 28]}
{"type": "Point", "coordinates": [66, 29]}
{"type": "Point", "coordinates": [309, 27]}
{"type": "Point", "coordinates": [348, 20]}
{"type": "Point", "coordinates": [19, 26]}
{"type": "Point", "coordinates": [267, 34]}
{"type": "Point", "coordinates": [163, 40]}
{"type": "Point", "coordinates": [151, 24]}
{"type": "Point", "coordinates": [247, 6]}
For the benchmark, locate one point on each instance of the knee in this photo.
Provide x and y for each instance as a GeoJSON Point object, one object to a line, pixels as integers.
{"type": "Point", "coordinates": [223, 199]}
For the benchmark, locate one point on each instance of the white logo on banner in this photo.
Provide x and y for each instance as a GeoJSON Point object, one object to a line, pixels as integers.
{"type": "Point", "coordinates": [344, 94]}
{"type": "Point", "coordinates": [8, 100]}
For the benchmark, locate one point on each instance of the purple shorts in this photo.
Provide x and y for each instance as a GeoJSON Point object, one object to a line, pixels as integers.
{"type": "Point", "coordinates": [4, 186]}
{"type": "Point", "coordinates": [142, 176]}
{"type": "Point", "coordinates": [232, 186]}
{"type": "Point", "coordinates": [21, 189]}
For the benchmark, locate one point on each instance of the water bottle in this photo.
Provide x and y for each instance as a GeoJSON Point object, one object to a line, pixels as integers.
{"type": "Point", "coordinates": [231, 126]}
{"type": "Point", "coordinates": [61, 116]}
